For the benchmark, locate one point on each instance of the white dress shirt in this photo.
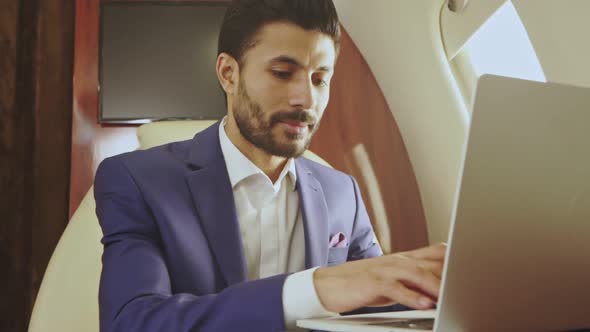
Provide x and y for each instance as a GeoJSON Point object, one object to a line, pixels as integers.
{"type": "Point", "coordinates": [271, 226]}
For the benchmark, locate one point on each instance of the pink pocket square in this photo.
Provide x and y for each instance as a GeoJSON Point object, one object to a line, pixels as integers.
{"type": "Point", "coordinates": [338, 241]}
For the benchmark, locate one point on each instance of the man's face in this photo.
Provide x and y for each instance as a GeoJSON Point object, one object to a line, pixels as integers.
{"type": "Point", "coordinates": [283, 88]}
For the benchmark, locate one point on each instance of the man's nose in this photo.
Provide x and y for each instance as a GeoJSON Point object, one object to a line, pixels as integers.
{"type": "Point", "coordinates": [302, 94]}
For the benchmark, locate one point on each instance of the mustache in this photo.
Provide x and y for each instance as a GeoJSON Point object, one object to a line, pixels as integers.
{"type": "Point", "coordinates": [298, 115]}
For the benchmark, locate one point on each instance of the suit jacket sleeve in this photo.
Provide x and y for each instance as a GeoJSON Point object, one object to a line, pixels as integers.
{"type": "Point", "coordinates": [135, 290]}
{"type": "Point", "coordinates": [363, 243]}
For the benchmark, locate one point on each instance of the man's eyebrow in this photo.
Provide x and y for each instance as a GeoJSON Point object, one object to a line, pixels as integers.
{"type": "Point", "coordinates": [294, 62]}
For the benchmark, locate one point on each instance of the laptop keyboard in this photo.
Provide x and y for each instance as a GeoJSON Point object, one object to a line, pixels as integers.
{"type": "Point", "coordinates": [413, 324]}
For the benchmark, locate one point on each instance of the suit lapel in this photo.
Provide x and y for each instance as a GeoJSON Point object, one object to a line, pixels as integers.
{"type": "Point", "coordinates": [214, 201]}
{"type": "Point", "coordinates": [315, 217]}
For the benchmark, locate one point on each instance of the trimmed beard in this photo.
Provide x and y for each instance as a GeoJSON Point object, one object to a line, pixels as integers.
{"type": "Point", "coordinates": [253, 126]}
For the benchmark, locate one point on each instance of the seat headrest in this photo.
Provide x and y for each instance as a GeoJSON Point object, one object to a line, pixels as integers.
{"type": "Point", "coordinates": [159, 133]}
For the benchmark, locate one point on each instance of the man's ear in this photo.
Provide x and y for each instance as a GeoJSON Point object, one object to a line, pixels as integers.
{"type": "Point", "coordinates": [228, 72]}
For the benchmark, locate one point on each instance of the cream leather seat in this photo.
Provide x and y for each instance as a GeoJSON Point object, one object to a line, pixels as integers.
{"type": "Point", "coordinates": [68, 296]}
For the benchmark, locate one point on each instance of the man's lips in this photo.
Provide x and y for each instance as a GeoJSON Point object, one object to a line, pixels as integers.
{"type": "Point", "coordinates": [295, 123]}
{"type": "Point", "coordinates": [295, 127]}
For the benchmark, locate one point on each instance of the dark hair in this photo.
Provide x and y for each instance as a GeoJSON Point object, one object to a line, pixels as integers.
{"type": "Point", "coordinates": [244, 18]}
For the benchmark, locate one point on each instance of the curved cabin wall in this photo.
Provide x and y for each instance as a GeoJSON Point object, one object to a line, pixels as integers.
{"type": "Point", "coordinates": [401, 42]}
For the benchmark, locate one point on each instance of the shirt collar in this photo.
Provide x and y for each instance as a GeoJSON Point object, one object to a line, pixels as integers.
{"type": "Point", "coordinates": [239, 167]}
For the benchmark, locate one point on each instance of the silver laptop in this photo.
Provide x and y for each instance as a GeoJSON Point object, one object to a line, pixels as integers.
{"type": "Point", "coordinates": [519, 246]}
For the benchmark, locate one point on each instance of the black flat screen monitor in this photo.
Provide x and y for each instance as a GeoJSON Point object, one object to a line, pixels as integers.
{"type": "Point", "coordinates": [157, 61]}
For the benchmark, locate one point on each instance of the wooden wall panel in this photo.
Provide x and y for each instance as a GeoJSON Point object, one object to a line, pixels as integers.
{"type": "Point", "coordinates": [36, 39]}
{"type": "Point", "coordinates": [91, 142]}
{"type": "Point", "coordinates": [16, 142]}
{"type": "Point", "coordinates": [53, 109]}
{"type": "Point", "coordinates": [85, 99]}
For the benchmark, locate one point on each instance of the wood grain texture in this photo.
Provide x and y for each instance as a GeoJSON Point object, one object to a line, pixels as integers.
{"type": "Point", "coordinates": [53, 109]}
{"type": "Point", "coordinates": [16, 161]}
{"type": "Point", "coordinates": [35, 109]}
{"type": "Point", "coordinates": [85, 106]}
{"type": "Point", "coordinates": [91, 142]}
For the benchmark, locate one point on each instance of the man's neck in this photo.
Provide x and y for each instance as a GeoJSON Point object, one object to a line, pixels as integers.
{"type": "Point", "coordinates": [271, 165]}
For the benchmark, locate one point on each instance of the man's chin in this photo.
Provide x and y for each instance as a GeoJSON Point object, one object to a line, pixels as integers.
{"type": "Point", "coordinates": [292, 150]}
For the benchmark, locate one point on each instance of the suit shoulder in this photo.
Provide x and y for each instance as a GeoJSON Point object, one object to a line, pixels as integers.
{"type": "Point", "coordinates": [324, 172]}
{"type": "Point", "coordinates": [155, 158]}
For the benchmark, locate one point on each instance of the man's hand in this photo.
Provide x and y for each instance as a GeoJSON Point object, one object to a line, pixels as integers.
{"type": "Point", "coordinates": [411, 278]}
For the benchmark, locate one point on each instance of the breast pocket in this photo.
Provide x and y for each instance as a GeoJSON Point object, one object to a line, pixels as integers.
{"type": "Point", "coordinates": [337, 255]}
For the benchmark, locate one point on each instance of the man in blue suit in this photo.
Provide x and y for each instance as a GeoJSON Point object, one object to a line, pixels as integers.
{"type": "Point", "coordinates": [233, 230]}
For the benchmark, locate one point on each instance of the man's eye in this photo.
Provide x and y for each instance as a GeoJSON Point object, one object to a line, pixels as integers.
{"type": "Point", "coordinates": [282, 74]}
{"type": "Point", "coordinates": [320, 82]}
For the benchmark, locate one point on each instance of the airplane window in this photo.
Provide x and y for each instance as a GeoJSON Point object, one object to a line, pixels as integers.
{"type": "Point", "coordinates": [500, 47]}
